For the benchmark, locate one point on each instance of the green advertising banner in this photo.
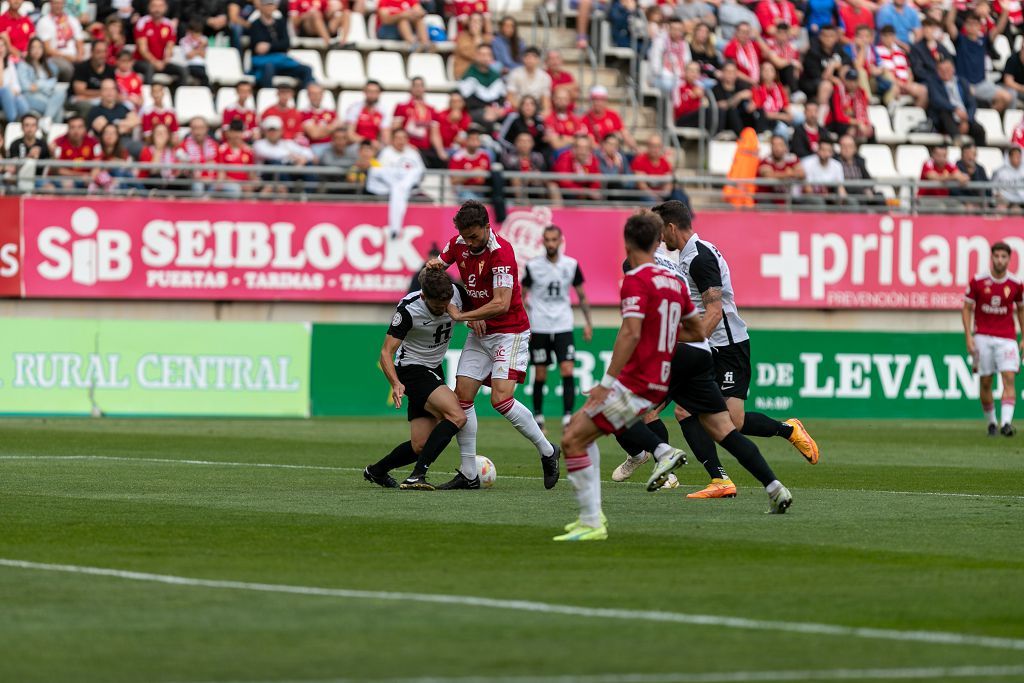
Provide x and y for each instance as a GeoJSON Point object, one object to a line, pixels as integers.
{"type": "Point", "coordinates": [83, 367]}
{"type": "Point", "coordinates": [806, 374]}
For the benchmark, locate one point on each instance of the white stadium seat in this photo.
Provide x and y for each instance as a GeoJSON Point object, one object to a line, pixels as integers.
{"type": "Point", "coordinates": [1011, 119]}
{"type": "Point", "coordinates": [430, 67]}
{"type": "Point", "coordinates": [500, 7]}
{"type": "Point", "coordinates": [357, 32]}
{"type": "Point", "coordinates": [194, 100]}
{"type": "Point", "coordinates": [347, 99]}
{"type": "Point", "coordinates": [328, 103]}
{"type": "Point", "coordinates": [11, 133]}
{"type": "Point", "coordinates": [345, 68]}
{"type": "Point", "coordinates": [390, 100]}
{"type": "Point", "coordinates": [56, 130]}
{"type": "Point", "coordinates": [720, 154]}
{"type": "Point", "coordinates": [910, 160]}
{"type": "Point", "coordinates": [438, 100]}
{"type": "Point", "coordinates": [953, 154]}
{"type": "Point", "coordinates": [990, 159]}
{"type": "Point", "coordinates": [224, 65]}
{"type": "Point", "coordinates": [265, 98]}
{"type": "Point", "coordinates": [609, 49]}
{"type": "Point", "coordinates": [989, 120]}
{"type": "Point", "coordinates": [312, 59]}
{"type": "Point", "coordinates": [1001, 45]}
{"type": "Point", "coordinates": [388, 69]}
{"type": "Point", "coordinates": [905, 119]}
{"type": "Point", "coordinates": [225, 98]}
{"type": "Point", "coordinates": [879, 117]}
{"type": "Point", "coordinates": [878, 159]}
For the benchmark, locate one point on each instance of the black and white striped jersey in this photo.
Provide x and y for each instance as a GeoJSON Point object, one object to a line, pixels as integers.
{"type": "Point", "coordinates": [424, 336]}
{"type": "Point", "coordinates": [704, 267]}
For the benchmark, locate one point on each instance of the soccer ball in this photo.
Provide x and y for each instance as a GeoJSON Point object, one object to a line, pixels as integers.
{"type": "Point", "coordinates": [487, 472]}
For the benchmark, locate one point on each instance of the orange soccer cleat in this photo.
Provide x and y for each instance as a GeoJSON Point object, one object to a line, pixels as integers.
{"type": "Point", "coordinates": [802, 441]}
{"type": "Point", "coordinates": [718, 488]}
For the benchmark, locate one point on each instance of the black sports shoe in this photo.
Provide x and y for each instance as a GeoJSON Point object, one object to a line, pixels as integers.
{"type": "Point", "coordinates": [416, 483]}
{"type": "Point", "coordinates": [993, 430]}
{"type": "Point", "coordinates": [1008, 430]}
{"type": "Point", "coordinates": [383, 480]}
{"type": "Point", "coordinates": [550, 465]}
{"type": "Point", "coordinates": [459, 481]}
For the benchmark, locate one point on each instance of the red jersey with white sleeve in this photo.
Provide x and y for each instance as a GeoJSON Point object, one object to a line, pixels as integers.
{"type": "Point", "coordinates": [494, 267]}
{"type": "Point", "coordinates": [655, 295]}
{"type": "Point", "coordinates": [994, 304]}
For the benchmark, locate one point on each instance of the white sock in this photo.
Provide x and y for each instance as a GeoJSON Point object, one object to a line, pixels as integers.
{"type": "Point", "coordinates": [990, 413]}
{"type": "Point", "coordinates": [773, 486]}
{"type": "Point", "coordinates": [595, 482]}
{"type": "Point", "coordinates": [662, 450]}
{"type": "Point", "coordinates": [586, 482]}
{"type": "Point", "coordinates": [522, 419]}
{"type": "Point", "coordinates": [1007, 412]}
{"type": "Point", "coordinates": [467, 442]}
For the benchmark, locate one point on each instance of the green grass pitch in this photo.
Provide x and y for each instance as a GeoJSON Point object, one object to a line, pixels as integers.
{"type": "Point", "coordinates": [880, 536]}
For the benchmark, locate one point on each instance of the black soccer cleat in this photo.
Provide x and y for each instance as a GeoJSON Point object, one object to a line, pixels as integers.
{"type": "Point", "coordinates": [383, 480]}
{"type": "Point", "coordinates": [1008, 430]}
{"type": "Point", "coordinates": [416, 483]}
{"type": "Point", "coordinates": [459, 482]}
{"type": "Point", "coordinates": [550, 466]}
{"type": "Point", "coordinates": [993, 430]}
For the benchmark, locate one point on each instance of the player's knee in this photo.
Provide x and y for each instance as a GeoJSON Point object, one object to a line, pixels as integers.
{"type": "Point", "coordinates": [417, 445]}
{"type": "Point", "coordinates": [457, 418]}
{"type": "Point", "coordinates": [681, 414]}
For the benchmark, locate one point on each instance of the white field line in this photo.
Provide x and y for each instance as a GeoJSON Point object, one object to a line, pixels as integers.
{"type": "Point", "coordinates": [327, 468]}
{"type": "Point", "coordinates": [804, 628]}
{"type": "Point", "coordinates": [919, 673]}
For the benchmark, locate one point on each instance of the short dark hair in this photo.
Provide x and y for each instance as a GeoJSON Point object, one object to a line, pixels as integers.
{"type": "Point", "coordinates": [372, 82]}
{"type": "Point", "coordinates": [887, 29]}
{"type": "Point", "coordinates": [195, 24]}
{"type": "Point", "coordinates": [553, 228]}
{"type": "Point", "coordinates": [29, 115]}
{"type": "Point", "coordinates": [417, 78]}
{"type": "Point", "coordinates": [532, 51]}
{"type": "Point", "coordinates": [471, 214]}
{"type": "Point", "coordinates": [74, 117]}
{"type": "Point", "coordinates": [124, 53]}
{"type": "Point", "coordinates": [1002, 246]}
{"type": "Point", "coordinates": [676, 212]}
{"type": "Point", "coordinates": [643, 230]}
{"type": "Point", "coordinates": [435, 284]}
{"type": "Point", "coordinates": [827, 27]}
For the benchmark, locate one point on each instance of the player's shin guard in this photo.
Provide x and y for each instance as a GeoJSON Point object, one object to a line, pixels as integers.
{"type": "Point", "coordinates": [467, 441]}
{"type": "Point", "coordinates": [1006, 411]}
{"type": "Point", "coordinates": [748, 455]}
{"type": "Point", "coordinates": [438, 440]}
{"type": "Point", "coordinates": [759, 424]}
{"type": "Point", "coordinates": [568, 394]}
{"type": "Point", "coordinates": [521, 418]}
{"type": "Point", "coordinates": [586, 482]}
{"type": "Point", "coordinates": [702, 446]}
{"type": "Point", "coordinates": [400, 456]}
{"type": "Point", "coordinates": [538, 397]}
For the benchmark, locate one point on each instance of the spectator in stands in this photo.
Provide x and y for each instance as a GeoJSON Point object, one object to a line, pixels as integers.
{"type": "Point", "coordinates": [951, 105]}
{"type": "Point", "coordinates": [864, 56]}
{"type": "Point", "coordinates": [975, 172]}
{"type": "Point", "coordinates": [655, 161]}
{"type": "Point", "coordinates": [274, 149]}
{"type": "Point", "coordinates": [855, 169]}
{"type": "Point", "coordinates": [771, 13]}
{"type": "Point", "coordinates": [155, 39]}
{"type": "Point", "coordinates": [562, 126]}
{"type": "Point", "coordinates": [470, 158]}
{"type": "Point", "coordinates": [403, 20]}
{"type": "Point", "coordinates": [16, 29]}
{"type": "Point", "coordinates": [308, 19]}
{"type": "Point", "coordinates": [129, 83]}
{"type": "Point", "coordinates": [88, 76]}
{"type": "Point", "coordinates": [669, 56]}
{"type": "Point", "coordinates": [193, 44]}
{"type": "Point", "coordinates": [158, 113]}
{"type": "Point", "coordinates": [112, 151]}
{"type": "Point", "coordinates": [366, 120]}
{"type": "Point", "coordinates": [656, 26]}
{"type": "Point", "coordinates": [689, 100]}
{"type": "Point", "coordinates": [972, 49]}
{"type": "Point", "coordinates": [37, 77]}
{"type": "Point", "coordinates": [113, 34]}
{"type": "Point", "coordinates": [731, 14]}
{"type": "Point", "coordinates": [268, 37]}
{"type": "Point", "coordinates": [1009, 179]}
{"type": "Point", "coordinates": [530, 80]}
{"type": "Point", "coordinates": [734, 100]}
{"type": "Point", "coordinates": [854, 14]}
{"type": "Point", "coordinates": [398, 173]}
{"type": "Point", "coordinates": [319, 122]}
{"type": "Point", "coordinates": [463, 11]}
{"type": "Point", "coordinates": [243, 109]}
{"type": "Point", "coordinates": [938, 168]}
{"type": "Point", "coordinates": [523, 158]}
{"type": "Point", "coordinates": [904, 19]}
{"type": "Point", "coordinates": [211, 14]}
{"type": "Point", "coordinates": [199, 148]}
{"type": "Point", "coordinates": [771, 109]}
{"type": "Point", "coordinates": [234, 152]}
{"type": "Point", "coordinates": [624, 17]}
{"type": "Point", "coordinates": [285, 110]}
{"type": "Point", "coordinates": [583, 8]}
{"type": "Point", "coordinates": [470, 37]}
{"type": "Point", "coordinates": [693, 13]}
{"type": "Point", "coordinates": [783, 53]}
{"type": "Point", "coordinates": [611, 161]}
{"type": "Point", "coordinates": [527, 119]}
{"type": "Point", "coordinates": [159, 151]}
{"type": "Point", "coordinates": [848, 114]}
{"type": "Point", "coordinates": [451, 128]}
{"type": "Point", "coordinates": [417, 118]}
{"type": "Point", "coordinates": [928, 52]}
{"type": "Point", "coordinates": [238, 13]}
{"type": "Point", "coordinates": [808, 134]}
{"type": "Point", "coordinates": [560, 78]}
{"type": "Point", "coordinates": [1013, 73]}
{"type": "Point", "coordinates": [746, 52]}
{"type": "Point", "coordinates": [359, 171]}
{"type": "Point", "coordinates": [896, 78]}
{"type": "Point", "coordinates": [602, 121]}
{"type": "Point", "coordinates": [779, 165]}
{"type": "Point", "coordinates": [821, 13]}
{"type": "Point", "coordinates": [30, 146]}
{"type": "Point", "coordinates": [508, 46]}
{"type": "Point", "coordinates": [109, 110]}
{"type": "Point", "coordinates": [823, 177]}
{"type": "Point", "coordinates": [483, 89]}
{"type": "Point", "coordinates": [822, 62]}
{"type": "Point", "coordinates": [63, 38]}
{"type": "Point", "coordinates": [337, 153]}
{"type": "Point", "coordinates": [77, 146]}
{"type": "Point", "coordinates": [704, 51]}
{"type": "Point", "coordinates": [580, 160]}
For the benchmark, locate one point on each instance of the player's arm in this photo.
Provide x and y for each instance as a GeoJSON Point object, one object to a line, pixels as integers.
{"type": "Point", "coordinates": [966, 317]}
{"type": "Point", "coordinates": [588, 320]}
{"type": "Point", "coordinates": [387, 366]}
{"type": "Point", "coordinates": [1020, 323]}
{"type": "Point", "coordinates": [498, 305]}
{"type": "Point", "coordinates": [712, 299]}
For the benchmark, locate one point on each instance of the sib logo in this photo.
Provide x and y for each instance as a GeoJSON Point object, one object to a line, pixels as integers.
{"type": "Point", "coordinates": [85, 253]}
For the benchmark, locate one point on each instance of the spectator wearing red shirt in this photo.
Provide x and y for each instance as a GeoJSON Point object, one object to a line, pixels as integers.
{"type": "Point", "coordinates": [234, 152]}
{"type": "Point", "coordinates": [155, 38]}
{"type": "Point", "coordinates": [743, 50]}
{"type": "Point", "coordinates": [451, 128]}
{"type": "Point", "coordinates": [771, 13]}
{"type": "Point", "coordinates": [284, 109]}
{"type": "Point", "coordinates": [307, 17]}
{"type": "Point", "coordinates": [783, 53]}
{"type": "Point", "coordinates": [848, 114]}
{"type": "Point", "coordinates": [771, 102]}
{"type": "Point", "coordinates": [688, 98]}
{"type": "Point", "coordinates": [129, 83]}
{"type": "Point", "coordinates": [462, 10]}
{"type": "Point", "coordinates": [937, 167]}
{"type": "Point", "coordinates": [112, 32]}
{"type": "Point", "coordinates": [199, 148]}
{"type": "Point", "coordinates": [319, 122]}
{"type": "Point", "coordinates": [159, 114]}
{"type": "Point", "coordinates": [780, 164]}
{"type": "Point", "coordinates": [243, 110]}
{"type": "Point", "coordinates": [366, 120]}
{"type": "Point", "coordinates": [655, 161]}
{"type": "Point", "coordinates": [417, 117]}
{"type": "Point", "coordinates": [470, 158]}
{"type": "Point", "coordinates": [16, 29]}
{"type": "Point", "coordinates": [602, 121]}
{"type": "Point", "coordinates": [853, 15]}
{"type": "Point", "coordinates": [560, 78]}
{"type": "Point", "coordinates": [160, 151]}
{"type": "Point", "coordinates": [524, 159]}
{"type": "Point", "coordinates": [579, 160]}
{"type": "Point", "coordinates": [75, 145]}
{"type": "Point", "coordinates": [561, 125]}
{"type": "Point", "coordinates": [402, 20]}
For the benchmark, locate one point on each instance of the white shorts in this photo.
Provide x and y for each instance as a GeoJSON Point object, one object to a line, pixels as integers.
{"type": "Point", "coordinates": [495, 356]}
{"type": "Point", "coordinates": [996, 354]}
{"type": "Point", "coordinates": [621, 410]}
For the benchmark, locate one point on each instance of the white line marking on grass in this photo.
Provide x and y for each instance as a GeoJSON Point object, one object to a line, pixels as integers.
{"type": "Point", "coordinates": [327, 468]}
{"type": "Point", "coordinates": [930, 637]}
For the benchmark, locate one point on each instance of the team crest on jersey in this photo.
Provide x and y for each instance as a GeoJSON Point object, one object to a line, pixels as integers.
{"type": "Point", "coordinates": [525, 232]}
{"type": "Point", "coordinates": [1006, 291]}
{"type": "Point", "coordinates": [397, 320]}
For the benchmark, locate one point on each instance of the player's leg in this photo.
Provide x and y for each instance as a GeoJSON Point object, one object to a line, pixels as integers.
{"type": "Point", "coordinates": [474, 366]}
{"type": "Point", "coordinates": [419, 432]}
{"type": "Point", "coordinates": [704, 450]}
{"type": "Point", "coordinates": [419, 382]}
{"type": "Point", "coordinates": [988, 404]}
{"type": "Point", "coordinates": [720, 427]}
{"type": "Point", "coordinates": [565, 355]}
{"type": "Point", "coordinates": [640, 441]}
{"type": "Point", "coordinates": [987, 369]}
{"type": "Point", "coordinates": [583, 462]}
{"type": "Point", "coordinates": [539, 359]}
{"type": "Point", "coordinates": [449, 418]}
{"type": "Point", "coordinates": [1007, 403]}
{"type": "Point", "coordinates": [378, 473]}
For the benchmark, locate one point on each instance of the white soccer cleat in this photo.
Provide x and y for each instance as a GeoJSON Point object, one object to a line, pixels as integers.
{"type": "Point", "coordinates": [665, 467]}
{"type": "Point", "coordinates": [779, 501]}
{"type": "Point", "coordinates": [627, 468]}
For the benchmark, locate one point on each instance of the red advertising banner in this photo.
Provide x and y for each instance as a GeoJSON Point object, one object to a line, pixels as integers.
{"type": "Point", "coordinates": [130, 249]}
{"type": "Point", "coordinates": [10, 247]}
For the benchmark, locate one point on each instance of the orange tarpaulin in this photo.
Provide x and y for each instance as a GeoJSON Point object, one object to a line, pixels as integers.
{"type": "Point", "coordinates": [744, 165]}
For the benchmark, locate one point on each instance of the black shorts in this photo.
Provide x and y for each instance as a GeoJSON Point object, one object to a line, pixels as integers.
{"type": "Point", "coordinates": [693, 385]}
{"type": "Point", "coordinates": [732, 369]}
{"type": "Point", "coordinates": [420, 382]}
{"type": "Point", "coordinates": [543, 345]}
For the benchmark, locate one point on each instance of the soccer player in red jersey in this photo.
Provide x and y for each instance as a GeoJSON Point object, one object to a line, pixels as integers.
{"type": "Point", "coordinates": [994, 300]}
{"type": "Point", "coordinates": [637, 379]}
{"type": "Point", "coordinates": [497, 348]}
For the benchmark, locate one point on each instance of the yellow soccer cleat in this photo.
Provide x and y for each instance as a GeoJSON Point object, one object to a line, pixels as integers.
{"type": "Point", "coordinates": [584, 533]}
{"type": "Point", "coordinates": [575, 523]}
{"type": "Point", "coordinates": [802, 441]}
{"type": "Point", "coordinates": [718, 488]}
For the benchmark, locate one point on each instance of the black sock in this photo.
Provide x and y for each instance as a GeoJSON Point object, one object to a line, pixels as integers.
{"type": "Point", "coordinates": [659, 429]}
{"type": "Point", "coordinates": [744, 450]}
{"type": "Point", "coordinates": [638, 439]}
{"type": "Point", "coordinates": [568, 394]}
{"type": "Point", "coordinates": [759, 424]}
{"type": "Point", "coordinates": [402, 455]}
{"type": "Point", "coordinates": [702, 446]}
{"type": "Point", "coordinates": [538, 397]}
{"type": "Point", "coordinates": [438, 440]}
